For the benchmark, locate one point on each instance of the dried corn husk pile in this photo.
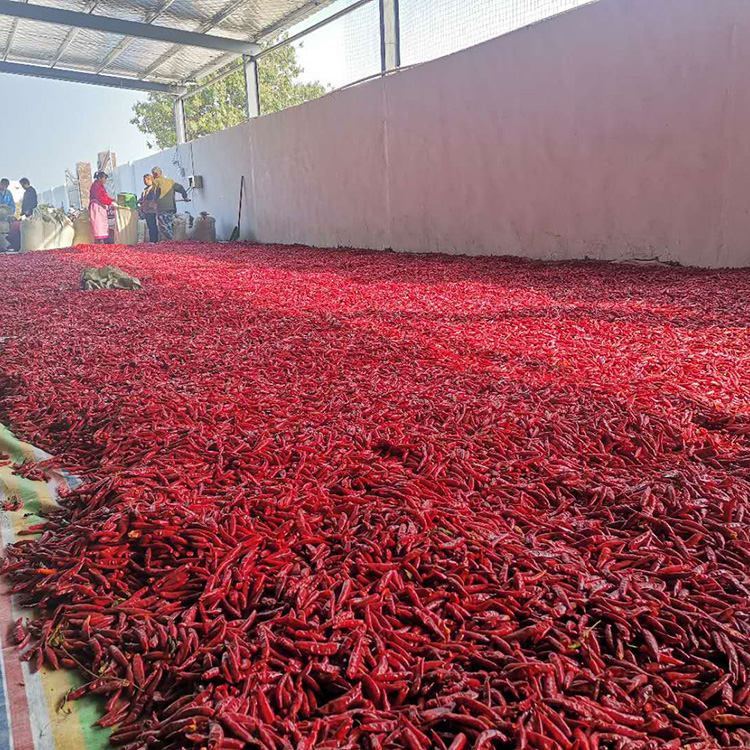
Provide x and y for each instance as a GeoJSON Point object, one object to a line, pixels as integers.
{"type": "Point", "coordinates": [108, 277]}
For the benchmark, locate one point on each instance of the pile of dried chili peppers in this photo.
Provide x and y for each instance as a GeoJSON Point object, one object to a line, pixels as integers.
{"type": "Point", "coordinates": [337, 499]}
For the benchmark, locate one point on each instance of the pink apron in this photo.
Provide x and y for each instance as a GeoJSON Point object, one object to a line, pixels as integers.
{"type": "Point", "coordinates": [99, 221]}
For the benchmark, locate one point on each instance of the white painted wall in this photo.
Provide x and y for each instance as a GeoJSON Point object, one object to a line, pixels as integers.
{"type": "Point", "coordinates": [320, 172]}
{"type": "Point", "coordinates": [221, 159]}
{"type": "Point", "coordinates": [621, 129]}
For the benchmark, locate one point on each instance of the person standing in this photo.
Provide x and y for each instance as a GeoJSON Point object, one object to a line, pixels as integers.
{"type": "Point", "coordinates": [30, 200]}
{"type": "Point", "coordinates": [148, 203]}
{"type": "Point", "coordinates": [99, 203]}
{"type": "Point", "coordinates": [6, 198]}
{"type": "Point", "coordinates": [166, 204]}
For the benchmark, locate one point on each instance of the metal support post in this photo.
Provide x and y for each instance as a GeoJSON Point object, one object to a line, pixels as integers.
{"type": "Point", "coordinates": [390, 36]}
{"type": "Point", "coordinates": [180, 125]}
{"type": "Point", "coordinates": [251, 86]}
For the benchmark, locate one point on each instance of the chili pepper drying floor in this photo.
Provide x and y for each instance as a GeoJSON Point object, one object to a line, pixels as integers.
{"type": "Point", "coordinates": [340, 499]}
{"type": "Point", "coordinates": [30, 715]}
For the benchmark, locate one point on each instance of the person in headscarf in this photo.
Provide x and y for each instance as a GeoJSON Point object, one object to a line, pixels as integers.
{"type": "Point", "coordinates": [149, 207]}
{"type": "Point", "coordinates": [166, 204]}
{"type": "Point", "coordinates": [99, 203]}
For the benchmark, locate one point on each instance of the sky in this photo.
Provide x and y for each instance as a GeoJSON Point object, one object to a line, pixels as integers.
{"type": "Point", "coordinates": [55, 124]}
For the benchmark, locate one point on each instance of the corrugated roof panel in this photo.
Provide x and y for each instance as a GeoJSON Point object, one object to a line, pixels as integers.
{"type": "Point", "coordinates": [248, 18]}
{"type": "Point", "coordinates": [41, 43]}
{"type": "Point", "coordinates": [139, 55]}
{"type": "Point", "coordinates": [184, 62]}
{"type": "Point", "coordinates": [89, 47]}
{"type": "Point", "coordinates": [285, 13]}
{"type": "Point", "coordinates": [135, 10]}
{"type": "Point", "coordinates": [129, 12]}
{"type": "Point", "coordinates": [36, 40]}
{"type": "Point", "coordinates": [187, 12]}
{"type": "Point", "coordinates": [6, 24]}
{"type": "Point", "coordinates": [82, 6]}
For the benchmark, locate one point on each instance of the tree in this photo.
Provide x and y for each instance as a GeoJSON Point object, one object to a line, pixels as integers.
{"type": "Point", "coordinates": [224, 104]}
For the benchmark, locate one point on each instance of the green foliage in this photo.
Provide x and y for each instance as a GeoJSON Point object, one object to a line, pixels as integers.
{"type": "Point", "coordinates": [224, 104]}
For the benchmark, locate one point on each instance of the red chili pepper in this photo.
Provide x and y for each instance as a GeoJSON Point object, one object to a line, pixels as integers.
{"type": "Point", "coordinates": [337, 494]}
{"type": "Point", "coordinates": [459, 742]}
{"type": "Point", "coordinates": [216, 739]}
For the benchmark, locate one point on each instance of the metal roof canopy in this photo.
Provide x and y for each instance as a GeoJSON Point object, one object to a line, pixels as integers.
{"type": "Point", "coordinates": [149, 45]}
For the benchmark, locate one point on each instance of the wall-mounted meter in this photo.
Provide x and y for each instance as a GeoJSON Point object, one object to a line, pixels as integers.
{"type": "Point", "coordinates": [195, 182]}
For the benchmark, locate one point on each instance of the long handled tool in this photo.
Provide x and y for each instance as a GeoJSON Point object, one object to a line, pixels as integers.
{"type": "Point", "coordinates": [236, 231]}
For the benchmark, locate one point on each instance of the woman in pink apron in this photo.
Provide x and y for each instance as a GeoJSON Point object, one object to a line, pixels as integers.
{"type": "Point", "coordinates": [99, 202]}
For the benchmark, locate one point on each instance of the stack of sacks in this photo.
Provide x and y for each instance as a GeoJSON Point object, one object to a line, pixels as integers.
{"type": "Point", "coordinates": [48, 229]}
{"type": "Point", "coordinates": [6, 216]}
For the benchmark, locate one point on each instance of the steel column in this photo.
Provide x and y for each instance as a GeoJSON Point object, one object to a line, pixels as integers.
{"type": "Point", "coordinates": [390, 35]}
{"type": "Point", "coordinates": [251, 86]}
{"type": "Point", "coordinates": [180, 125]}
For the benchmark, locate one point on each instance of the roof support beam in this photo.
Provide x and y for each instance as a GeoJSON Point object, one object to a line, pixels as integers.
{"type": "Point", "coordinates": [69, 37]}
{"type": "Point", "coordinates": [45, 14]}
{"type": "Point", "coordinates": [75, 76]}
{"type": "Point", "coordinates": [300, 15]}
{"type": "Point", "coordinates": [125, 43]}
{"type": "Point", "coordinates": [215, 21]}
{"type": "Point", "coordinates": [220, 66]}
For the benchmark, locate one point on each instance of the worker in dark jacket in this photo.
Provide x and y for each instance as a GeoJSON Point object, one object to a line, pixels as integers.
{"type": "Point", "coordinates": [30, 200]}
{"type": "Point", "coordinates": [166, 204]}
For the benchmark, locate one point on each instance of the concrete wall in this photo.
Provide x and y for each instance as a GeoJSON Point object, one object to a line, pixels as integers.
{"type": "Point", "coordinates": [618, 130]}
{"type": "Point", "coordinates": [600, 133]}
{"type": "Point", "coordinates": [320, 172]}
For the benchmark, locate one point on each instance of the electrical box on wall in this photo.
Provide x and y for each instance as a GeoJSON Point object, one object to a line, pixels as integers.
{"type": "Point", "coordinates": [195, 182]}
